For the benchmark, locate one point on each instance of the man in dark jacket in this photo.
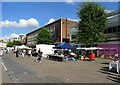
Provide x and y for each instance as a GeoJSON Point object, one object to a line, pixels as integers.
{"type": "Point", "coordinates": [39, 56]}
{"type": "Point", "coordinates": [17, 54]}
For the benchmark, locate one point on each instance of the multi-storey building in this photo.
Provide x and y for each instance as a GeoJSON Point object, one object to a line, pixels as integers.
{"type": "Point", "coordinates": [59, 28]}
{"type": "Point", "coordinates": [112, 44]}
{"type": "Point", "coordinates": [73, 34]}
{"type": "Point", "coordinates": [22, 38]}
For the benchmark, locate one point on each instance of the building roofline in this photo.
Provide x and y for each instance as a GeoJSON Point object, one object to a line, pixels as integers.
{"type": "Point", "coordinates": [47, 25]}
{"type": "Point", "coordinates": [43, 26]}
{"type": "Point", "coordinates": [112, 13]}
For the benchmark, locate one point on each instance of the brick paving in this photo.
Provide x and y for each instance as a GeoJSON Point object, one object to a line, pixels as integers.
{"type": "Point", "coordinates": [72, 71]}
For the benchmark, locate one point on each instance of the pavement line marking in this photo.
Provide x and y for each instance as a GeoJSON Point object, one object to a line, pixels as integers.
{"type": "Point", "coordinates": [10, 74]}
{"type": "Point", "coordinates": [13, 77]}
{"type": "Point", "coordinates": [4, 66]}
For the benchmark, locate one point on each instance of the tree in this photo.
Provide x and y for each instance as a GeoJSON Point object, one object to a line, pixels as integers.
{"type": "Point", "coordinates": [44, 36]}
{"type": "Point", "coordinates": [14, 42]}
{"type": "Point", "coordinates": [93, 23]}
{"type": "Point", "coordinates": [9, 44]}
{"type": "Point", "coordinates": [1, 40]}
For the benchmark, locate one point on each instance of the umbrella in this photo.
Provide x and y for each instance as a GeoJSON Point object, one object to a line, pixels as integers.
{"type": "Point", "coordinates": [91, 48]}
{"type": "Point", "coordinates": [23, 47]}
{"type": "Point", "coordinates": [65, 46]}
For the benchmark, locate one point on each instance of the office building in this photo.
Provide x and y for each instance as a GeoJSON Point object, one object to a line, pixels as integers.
{"type": "Point", "coordinates": [60, 30]}
{"type": "Point", "coordinates": [112, 43]}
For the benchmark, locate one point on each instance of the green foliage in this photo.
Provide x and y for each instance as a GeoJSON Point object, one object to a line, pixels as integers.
{"type": "Point", "coordinates": [9, 44]}
{"type": "Point", "coordinates": [44, 37]}
{"type": "Point", "coordinates": [16, 42]}
{"type": "Point", "coordinates": [93, 23]}
{"type": "Point", "coordinates": [1, 40]}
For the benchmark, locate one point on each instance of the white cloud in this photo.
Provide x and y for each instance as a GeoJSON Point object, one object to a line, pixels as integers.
{"type": "Point", "coordinates": [107, 11]}
{"type": "Point", "coordinates": [10, 37]}
{"type": "Point", "coordinates": [1, 38]}
{"type": "Point", "coordinates": [50, 21]}
{"type": "Point", "coordinates": [70, 1]}
{"type": "Point", "coordinates": [73, 19]}
{"type": "Point", "coordinates": [30, 23]}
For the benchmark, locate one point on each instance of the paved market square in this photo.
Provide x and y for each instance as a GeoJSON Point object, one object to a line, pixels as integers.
{"type": "Point", "coordinates": [71, 71]}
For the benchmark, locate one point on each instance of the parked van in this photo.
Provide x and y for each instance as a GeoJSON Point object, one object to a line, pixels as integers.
{"type": "Point", "coordinates": [46, 49]}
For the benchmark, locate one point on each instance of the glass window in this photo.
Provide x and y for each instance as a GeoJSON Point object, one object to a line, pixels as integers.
{"type": "Point", "coordinates": [114, 29]}
{"type": "Point", "coordinates": [119, 28]}
{"type": "Point", "coordinates": [109, 30]}
{"type": "Point", "coordinates": [74, 36]}
{"type": "Point", "coordinates": [63, 23]}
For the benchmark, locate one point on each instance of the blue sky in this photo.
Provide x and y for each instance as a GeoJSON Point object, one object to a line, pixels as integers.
{"type": "Point", "coordinates": [28, 16]}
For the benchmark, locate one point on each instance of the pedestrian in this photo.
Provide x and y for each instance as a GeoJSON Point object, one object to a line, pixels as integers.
{"type": "Point", "coordinates": [116, 57]}
{"type": "Point", "coordinates": [6, 51]}
{"type": "Point", "coordinates": [23, 53]}
{"type": "Point", "coordinates": [39, 56]}
{"type": "Point", "coordinates": [17, 54]}
{"type": "Point", "coordinates": [29, 53]}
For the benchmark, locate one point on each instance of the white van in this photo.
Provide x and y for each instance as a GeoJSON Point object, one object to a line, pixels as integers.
{"type": "Point", "coordinates": [46, 49]}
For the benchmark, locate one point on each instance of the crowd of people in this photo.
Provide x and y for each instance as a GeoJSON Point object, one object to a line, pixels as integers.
{"type": "Point", "coordinates": [23, 53]}
{"type": "Point", "coordinates": [68, 55]}
{"type": "Point", "coordinates": [29, 54]}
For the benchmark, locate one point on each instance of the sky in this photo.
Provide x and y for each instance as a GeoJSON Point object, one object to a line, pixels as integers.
{"type": "Point", "coordinates": [24, 17]}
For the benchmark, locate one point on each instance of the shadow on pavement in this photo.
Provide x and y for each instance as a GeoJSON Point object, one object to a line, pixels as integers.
{"type": "Point", "coordinates": [114, 78]}
{"type": "Point", "coordinates": [111, 75]}
{"type": "Point", "coordinates": [105, 63]}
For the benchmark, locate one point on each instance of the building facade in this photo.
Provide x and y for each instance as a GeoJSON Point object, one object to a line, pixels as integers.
{"type": "Point", "coordinates": [3, 44]}
{"type": "Point", "coordinates": [73, 34]}
{"type": "Point", "coordinates": [60, 30]}
{"type": "Point", "coordinates": [22, 38]}
{"type": "Point", "coordinates": [112, 43]}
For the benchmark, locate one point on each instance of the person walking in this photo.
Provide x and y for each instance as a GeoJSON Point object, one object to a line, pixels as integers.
{"type": "Point", "coordinates": [29, 53]}
{"type": "Point", "coordinates": [17, 54]}
{"type": "Point", "coordinates": [39, 56]}
{"type": "Point", "coordinates": [6, 51]}
{"type": "Point", "coordinates": [23, 53]}
{"type": "Point", "coordinates": [116, 57]}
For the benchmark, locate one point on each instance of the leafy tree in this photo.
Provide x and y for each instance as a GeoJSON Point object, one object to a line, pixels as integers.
{"type": "Point", "coordinates": [16, 42]}
{"type": "Point", "coordinates": [93, 23]}
{"type": "Point", "coordinates": [1, 40]}
{"type": "Point", "coordinates": [44, 37]}
{"type": "Point", "coordinates": [9, 44]}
